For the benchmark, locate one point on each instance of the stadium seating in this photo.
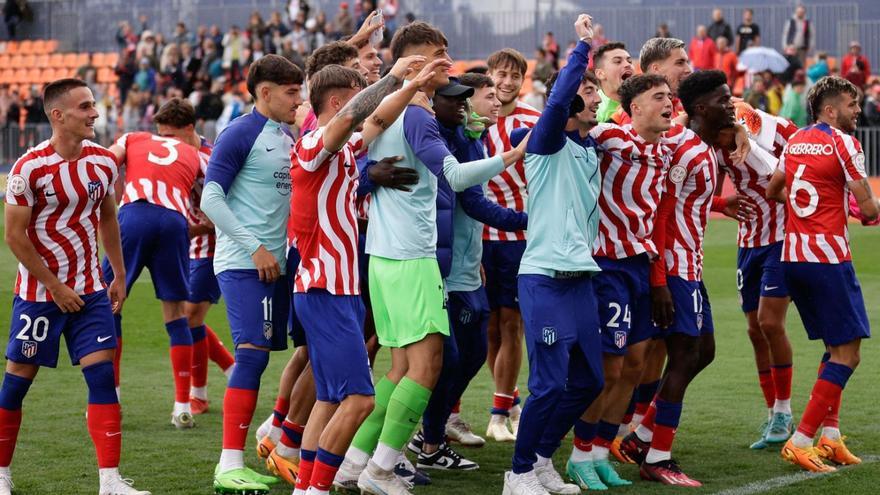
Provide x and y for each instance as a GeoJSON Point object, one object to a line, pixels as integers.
{"type": "Point", "coordinates": [36, 62]}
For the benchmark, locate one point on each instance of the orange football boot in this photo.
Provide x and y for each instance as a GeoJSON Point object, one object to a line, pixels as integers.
{"type": "Point", "coordinates": [265, 447]}
{"type": "Point", "coordinates": [281, 466]}
{"type": "Point", "coordinates": [806, 458]}
{"type": "Point", "coordinates": [836, 451]}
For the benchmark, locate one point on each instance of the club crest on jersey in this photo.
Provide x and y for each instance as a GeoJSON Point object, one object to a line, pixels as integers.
{"type": "Point", "coordinates": [859, 162]}
{"type": "Point", "coordinates": [267, 330]}
{"type": "Point", "coordinates": [549, 335]}
{"type": "Point", "coordinates": [17, 184]}
{"type": "Point", "coordinates": [96, 190]}
{"type": "Point", "coordinates": [28, 349]}
{"type": "Point", "coordinates": [699, 321]}
{"type": "Point", "coordinates": [677, 174]}
{"type": "Point", "coordinates": [620, 339]}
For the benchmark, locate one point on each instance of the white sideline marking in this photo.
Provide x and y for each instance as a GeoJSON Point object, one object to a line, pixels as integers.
{"type": "Point", "coordinates": [789, 479]}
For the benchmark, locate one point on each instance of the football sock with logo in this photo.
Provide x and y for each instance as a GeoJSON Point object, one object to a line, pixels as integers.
{"type": "Point", "coordinates": [665, 423]}
{"type": "Point", "coordinates": [306, 467]}
{"type": "Point", "coordinates": [199, 379]}
{"type": "Point", "coordinates": [11, 397]}
{"type": "Point", "coordinates": [367, 435]}
{"type": "Point", "coordinates": [584, 434]}
{"type": "Point", "coordinates": [240, 399]}
{"type": "Point", "coordinates": [104, 419]}
{"type": "Point", "coordinates": [405, 407]}
{"type": "Point", "coordinates": [181, 358]}
{"type": "Point", "coordinates": [326, 466]}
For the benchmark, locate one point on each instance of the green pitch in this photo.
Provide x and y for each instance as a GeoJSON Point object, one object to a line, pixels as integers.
{"type": "Point", "coordinates": [722, 413]}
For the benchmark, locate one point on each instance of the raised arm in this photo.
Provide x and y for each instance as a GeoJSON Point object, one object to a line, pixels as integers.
{"type": "Point", "coordinates": [548, 134]}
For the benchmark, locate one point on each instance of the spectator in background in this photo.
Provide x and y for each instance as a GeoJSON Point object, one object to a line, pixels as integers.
{"type": "Point", "coordinates": [182, 35]}
{"type": "Point", "coordinates": [146, 48]}
{"type": "Point", "coordinates": [12, 16]}
{"type": "Point", "coordinates": [5, 103]}
{"type": "Point", "coordinates": [543, 66]}
{"type": "Point", "coordinates": [552, 48]}
{"type": "Point", "coordinates": [727, 61]}
{"type": "Point", "coordinates": [275, 31]}
{"type": "Point", "coordinates": [367, 7]}
{"type": "Point", "coordinates": [298, 37]}
{"type": "Point", "coordinates": [13, 110]}
{"type": "Point", "coordinates": [748, 33]}
{"type": "Point", "coordinates": [233, 53]}
{"type": "Point", "coordinates": [663, 31]}
{"type": "Point", "coordinates": [190, 65]}
{"type": "Point", "coordinates": [132, 110]}
{"type": "Point", "coordinates": [720, 27]}
{"type": "Point", "coordinates": [211, 104]}
{"type": "Point", "coordinates": [145, 77]}
{"type": "Point", "coordinates": [125, 36]}
{"type": "Point", "coordinates": [409, 18]}
{"type": "Point", "coordinates": [289, 53]}
{"type": "Point", "coordinates": [774, 92]}
{"type": "Point", "coordinates": [314, 37]}
{"type": "Point", "coordinates": [599, 38]}
{"type": "Point", "coordinates": [756, 96]}
{"type": "Point", "coordinates": [871, 106]}
{"type": "Point", "coordinates": [35, 118]}
{"type": "Point", "coordinates": [256, 28]}
{"type": "Point", "coordinates": [794, 64]}
{"type": "Point", "coordinates": [125, 69]}
{"type": "Point", "coordinates": [537, 95]}
{"type": "Point", "coordinates": [850, 59]}
{"type": "Point", "coordinates": [857, 74]}
{"type": "Point", "coordinates": [216, 35]}
{"type": "Point", "coordinates": [819, 69]}
{"type": "Point", "coordinates": [798, 32]}
{"type": "Point", "coordinates": [343, 23]}
{"type": "Point", "coordinates": [794, 102]}
{"type": "Point", "coordinates": [257, 52]}
{"type": "Point", "coordinates": [702, 50]}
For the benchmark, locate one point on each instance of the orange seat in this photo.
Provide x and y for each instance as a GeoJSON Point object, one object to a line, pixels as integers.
{"type": "Point", "coordinates": [51, 46]}
{"type": "Point", "coordinates": [11, 47]}
{"type": "Point", "coordinates": [4, 60]}
{"type": "Point", "coordinates": [33, 76]}
{"type": "Point", "coordinates": [20, 76]}
{"type": "Point", "coordinates": [56, 60]}
{"type": "Point", "coordinates": [42, 61]}
{"type": "Point", "coordinates": [47, 75]}
{"type": "Point", "coordinates": [6, 76]}
{"type": "Point", "coordinates": [82, 59]}
{"type": "Point", "coordinates": [39, 47]}
{"type": "Point", "coordinates": [26, 47]}
{"type": "Point", "coordinates": [111, 59]}
{"type": "Point", "coordinates": [739, 86]}
{"type": "Point", "coordinates": [98, 60]}
{"type": "Point", "coordinates": [28, 61]}
{"type": "Point", "coordinates": [15, 61]}
{"type": "Point", "coordinates": [69, 60]}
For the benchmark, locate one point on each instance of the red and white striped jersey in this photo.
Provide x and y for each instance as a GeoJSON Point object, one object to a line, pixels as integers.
{"type": "Point", "coordinates": [769, 131]}
{"type": "Point", "coordinates": [201, 246]}
{"type": "Point", "coordinates": [508, 188]}
{"type": "Point", "coordinates": [750, 179]}
{"type": "Point", "coordinates": [818, 162]}
{"type": "Point", "coordinates": [633, 172]}
{"type": "Point", "coordinates": [620, 117]}
{"type": "Point", "coordinates": [691, 178]}
{"type": "Point", "coordinates": [65, 197]}
{"type": "Point", "coordinates": [323, 214]}
{"type": "Point", "coordinates": [159, 170]}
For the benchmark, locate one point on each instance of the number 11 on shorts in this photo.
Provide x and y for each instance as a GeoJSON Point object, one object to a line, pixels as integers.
{"type": "Point", "coordinates": [267, 308]}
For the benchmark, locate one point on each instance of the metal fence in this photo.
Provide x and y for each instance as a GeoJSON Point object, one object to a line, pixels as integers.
{"type": "Point", "coordinates": [14, 141]}
{"type": "Point", "coordinates": [473, 28]}
{"type": "Point", "coordinates": [867, 33]}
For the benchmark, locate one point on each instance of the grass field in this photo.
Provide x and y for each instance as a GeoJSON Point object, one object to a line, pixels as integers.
{"type": "Point", "coordinates": [722, 412]}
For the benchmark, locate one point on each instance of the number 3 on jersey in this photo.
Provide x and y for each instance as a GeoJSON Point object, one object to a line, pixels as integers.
{"type": "Point", "coordinates": [170, 145]}
{"type": "Point", "coordinates": [800, 184]}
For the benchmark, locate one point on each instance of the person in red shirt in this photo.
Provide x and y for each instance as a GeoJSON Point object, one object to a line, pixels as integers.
{"type": "Point", "coordinates": [854, 55]}
{"type": "Point", "coordinates": [726, 61]}
{"type": "Point", "coordinates": [702, 50]}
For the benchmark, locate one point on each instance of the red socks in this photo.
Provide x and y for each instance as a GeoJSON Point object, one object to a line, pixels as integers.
{"type": "Point", "coordinates": [238, 411]}
{"type": "Point", "coordinates": [782, 381]}
{"type": "Point", "coordinates": [199, 360]}
{"type": "Point", "coordinates": [501, 404]}
{"type": "Point", "coordinates": [824, 397]}
{"type": "Point", "coordinates": [181, 365]}
{"type": "Point", "coordinates": [306, 467]}
{"type": "Point", "coordinates": [282, 405]}
{"type": "Point", "coordinates": [322, 475]}
{"type": "Point", "coordinates": [105, 428]}
{"type": "Point", "coordinates": [765, 379]}
{"type": "Point", "coordinates": [10, 423]}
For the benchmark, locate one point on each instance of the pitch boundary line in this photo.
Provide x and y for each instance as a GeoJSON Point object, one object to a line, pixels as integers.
{"type": "Point", "coordinates": [789, 479]}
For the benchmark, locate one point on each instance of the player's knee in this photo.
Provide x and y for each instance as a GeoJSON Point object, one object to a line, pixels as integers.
{"type": "Point", "coordinates": [756, 335]}
{"type": "Point", "coordinates": [771, 328]}
{"type": "Point", "coordinates": [359, 407]}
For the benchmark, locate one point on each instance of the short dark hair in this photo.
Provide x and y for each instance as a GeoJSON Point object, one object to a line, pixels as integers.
{"type": "Point", "coordinates": [826, 88]}
{"type": "Point", "coordinates": [56, 89]}
{"type": "Point", "coordinates": [275, 69]}
{"type": "Point", "coordinates": [636, 85]}
{"type": "Point", "coordinates": [414, 34]}
{"type": "Point", "coordinates": [657, 49]}
{"type": "Point", "coordinates": [577, 104]}
{"type": "Point", "coordinates": [607, 47]}
{"type": "Point", "coordinates": [176, 112]}
{"type": "Point", "coordinates": [476, 81]}
{"type": "Point", "coordinates": [698, 85]}
{"type": "Point", "coordinates": [336, 53]}
{"type": "Point", "coordinates": [508, 57]}
{"type": "Point", "coordinates": [330, 78]}
{"type": "Point", "coordinates": [590, 76]}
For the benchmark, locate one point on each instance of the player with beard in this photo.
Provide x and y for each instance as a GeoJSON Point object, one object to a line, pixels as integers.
{"type": "Point", "coordinates": [502, 251]}
{"type": "Point", "coordinates": [613, 65]}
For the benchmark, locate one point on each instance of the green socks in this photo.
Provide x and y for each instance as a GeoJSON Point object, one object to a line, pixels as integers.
{"type": "Point", "coordinates": [404, 410]}
{"type": "Point", "coordinates": [368, 434]}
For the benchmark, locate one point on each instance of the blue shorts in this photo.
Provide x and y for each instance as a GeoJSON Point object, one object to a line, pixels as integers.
{"type": "Point", "coordinates": [759, 274]}
{"type": "Point", "coordinates": [624, 298]}
{"type": "Point", "coordinates": [829, 299]}
{"type": "Point", "coordinates": [335, 329]}
{"type": "Point", "coordinates": [257, 311]}
{"type": "Point", "coordinates": [693, 313]}
{"type": "Point", "coordinates": [501, 263]}
{"type": "Point", "coordinates": [156, 238]}
{"type": "Point", "coordinates": [363, 266]}
{"type": "Point", "coordinates": [559, 315]}
{"type": "Point", "coordinates": [294, 326]}
{"type": "Point", "coordinates": [468, 311]}
{"type": "Point", "coordinates": [203, 286]}
{"type": "Point", "coordinates": [36, 329]}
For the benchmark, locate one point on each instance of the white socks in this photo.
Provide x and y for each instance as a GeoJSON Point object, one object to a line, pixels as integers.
{"type": "Point", "coordinates": [542, 461]}
{"type": "Point", "coordinates": [385, 457]}
{"type": "Point", "coordinates": [578, 455]}
{"type": "Point", "coordinates": [600, 453]}
{"type": "Point", "coordinates": [275, 434]}
{"type": "Point", "coordinates": [801, 441]}
{"type": "Point", "coordinates": [357, 457]}
{"type": "Point", "coordinates": [644, 434]}
{"type": "Point", "coordinates": [286, 452]}
{"type": "Point", "coordinates": [199, 392]}
{"type": "Point", "coordinates": [831, 433]}
{"type": "Point", "coordinates": [782, 406]}
{"type": "Point", "coordinates": [181, 407]}
{"type": "Point", "coordinates": [655, 455]}
{"type": "Point", "coordinates": [231, 459]}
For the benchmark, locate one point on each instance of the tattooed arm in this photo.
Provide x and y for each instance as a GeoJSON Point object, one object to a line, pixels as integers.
{"type": "Point", "coordinates": [343, 124]}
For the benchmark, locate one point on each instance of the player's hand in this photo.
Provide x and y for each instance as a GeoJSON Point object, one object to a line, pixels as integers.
{"type": "Point", "coordinates": [521, 147]}
{"type": "Point", "coordinates": [584, 27]}
{"type": "Point", "coordinates": [368, 28]}
{"type": "Point", "coordinates": [405, 66]}
{"type": "Point", "coordinates": [117, 293]}
{"type": "Point", "coordinates": [66, 298]}
{"type": "Point", "coordinates": [384, 173]}
{"type": "Point", "coordinates": [662, 309]}
{"type": "Point", "coordinates": [267, 265]}
{"type": "Point", "coordinates": [429, 71]}
{"type": "Point", "coordinates": [739, 207]}
{"type": "Point", "coordinates": [743, 148]}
